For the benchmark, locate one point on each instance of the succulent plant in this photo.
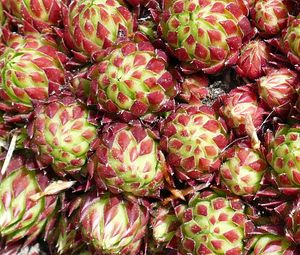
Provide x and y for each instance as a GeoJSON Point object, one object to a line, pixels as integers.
{"type": "Point", "coordinates": [42, 15]}
{"type": "Point", "coordinates": [164, 225]}
{"type": "Point", "coordinates": [193, 138]}
{"type": "Point", "coordinates": [61, 134]}
{"type": "Point", "coordinates": [134, 81]}
{"type": "Point", "coordinates": [194, 89]}
{"type": "Point", "coordinates": [62, 233]}
{"type": "Point", "coordinates": [91, 26]}
{"type": "Point", "coordinates": [212, 224]}
{"type": "Point", "coordinates": [269, 244]}
{"type": "Point", "coordinates": [31, 70]}
{"type": "Point", "coordinates": [145, 108]}
{"type": "Point", "coordinates": [242, 169]}
{"type": "Point", "coordinates": [80, 85]}
{"type": "Point", "coordinates": [291, 41]}
{"type": "Point", "coordinates": [20, 215]}
{"type": "Point", "coordinates": [270, 16]}
{"type": "Point", "coordinates": [283, 154]}
{"type": "Point", "coordinates": [242, 111]}
{"type": "Point", "coordinates": [113, 225]}
{"type": "Point", "coordinates": [278, 89]}
{"type": "Point", "coordinates": [69, 239]}
{"type": "Point", "coordinates": [128, 160]}
{"type": "Point", "coordinates": [31, 39]}
{"type": "Point", "coordinates": [204, 35]}
{"type": "Point", "coordinates": [253, 59]}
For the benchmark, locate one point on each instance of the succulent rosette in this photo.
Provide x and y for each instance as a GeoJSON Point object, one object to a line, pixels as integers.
{"type": "Point", "coordinates": [61, 134]}
{"type": "Point", "coordinates": [270, 244]}
{"type": "Point", "coordinates": [283, 154]}
{"type": "Point", "coordinates": [80, 85]}
{"type": "Point", "coordinates": [278, 89]}
{"type": "Point", "coordinates": [242, 169]}
{"type": "Point", "coordinates": [145, 107]}
{"type": "Point", "coordinates": [20, 215]}
{"type": "Point", "coordinates": [270, 16]}
{"type": "Point", "coordinates": [43, 15]}
{"type": "Point", "coordinates": [194, 89]}
{"type": "Point", "coordinates": [242, 111]}
{"type": "Point", "coordinates": [193, 138]}
{"type": "Point", "coordinates": [91, 26]}
{"type": "Point", "coordinates": [69, 239]}
{"type": "Point", "coordinates": [253, 58]}
{"type": "Point", "coordinates": [164, 225]}
{"type": "Point", "coordinates": [204, 35]}
{"type": "Point", "coordinates": [32, 69]}
{"type": "Point", "coordinates": [128, 160]}
{"type": "Point", "coordinates": [212, 224]}
{"type": "Point", "coordinates": [291, 41]}
{"type": "Point", "coordinates": [33, 40]}
{"type": "Point", "coordinates": [113, 225]}
{"type": "Point", "coordinates": [62, 233]}
{"type": "Point", "coordinates": [134, 81]}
